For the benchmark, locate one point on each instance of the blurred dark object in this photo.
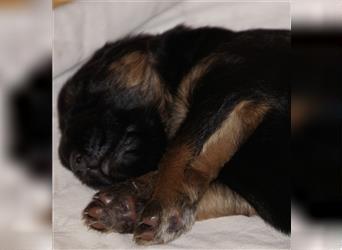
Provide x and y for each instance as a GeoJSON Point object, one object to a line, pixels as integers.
{"type": "Point", "coordinates": [317, 122]}
{"type": "Point", "coordinates": [31, 110]}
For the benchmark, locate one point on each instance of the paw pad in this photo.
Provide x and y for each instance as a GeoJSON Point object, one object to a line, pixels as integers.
{"type": "Point", "coordinates": [111, 212]}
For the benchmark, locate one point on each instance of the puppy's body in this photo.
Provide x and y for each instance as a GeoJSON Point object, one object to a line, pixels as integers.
{"type": "Point", "coordinates": [201, 105]}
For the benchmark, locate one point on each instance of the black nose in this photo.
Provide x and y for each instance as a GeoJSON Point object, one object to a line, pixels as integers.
{"type": "Point", "coordinates": [77, 162]}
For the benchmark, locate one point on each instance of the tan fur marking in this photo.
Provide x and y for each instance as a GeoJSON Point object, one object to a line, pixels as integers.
{"type": "Point", "coordinates": [182, 172]}
{"type": "Point", "coordinates": [132, 68]}
{"type": "Point", "coordinates": [171, 173]}
{"type": "Point", "coordinates": [181, 102]}
{"type": "Point", "coordinates": [223, 144]}
{"type": "Point", "coordinates": [219, 200]}
{"type": "Point", "coordinates": [135, 70]}
{"type": "Point", "coordinates": [57, 3]}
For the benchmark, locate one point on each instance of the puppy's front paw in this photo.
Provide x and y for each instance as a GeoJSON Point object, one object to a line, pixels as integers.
{"type": "Point", "coordinates": [160, 224]}
{"type": "Point", "coordinates": [115, 209]}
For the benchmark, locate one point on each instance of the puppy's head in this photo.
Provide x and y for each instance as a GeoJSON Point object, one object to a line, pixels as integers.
{"type": "Point", "coordinates": [108, 133]}
{"type": "Point", "coordinates": [102, 146]}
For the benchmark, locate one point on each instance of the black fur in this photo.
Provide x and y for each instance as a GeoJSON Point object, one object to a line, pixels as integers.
{"type": "Point", "coordinates": [116, 133]}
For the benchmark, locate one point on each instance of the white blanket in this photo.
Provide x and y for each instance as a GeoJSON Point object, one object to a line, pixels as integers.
{"type": "Point", "coordinates": [83, 27]}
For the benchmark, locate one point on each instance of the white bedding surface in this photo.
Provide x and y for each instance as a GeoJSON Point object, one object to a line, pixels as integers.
{"type": "Point", "coordinates": [83, 27]}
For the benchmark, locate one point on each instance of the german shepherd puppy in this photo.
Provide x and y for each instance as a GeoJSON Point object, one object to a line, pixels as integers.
{"type": "Point", "coordinates": [186, 125]}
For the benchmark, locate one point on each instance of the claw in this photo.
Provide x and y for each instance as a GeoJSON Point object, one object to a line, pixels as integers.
{"type": "Point", "coordinates": [97, 225]}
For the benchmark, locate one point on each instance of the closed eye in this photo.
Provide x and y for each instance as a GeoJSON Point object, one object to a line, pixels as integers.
{"type": "Point", "coordinates": [131, 129]}
{"type": "Point", "coordinates": [132, 152]}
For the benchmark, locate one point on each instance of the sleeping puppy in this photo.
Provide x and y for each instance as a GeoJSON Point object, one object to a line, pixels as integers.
{"type": "Point", "coordinates": [186, 125]}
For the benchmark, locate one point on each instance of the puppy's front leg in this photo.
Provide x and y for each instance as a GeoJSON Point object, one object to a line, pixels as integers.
{"type": "Point", "coordinates": [193, 160]}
